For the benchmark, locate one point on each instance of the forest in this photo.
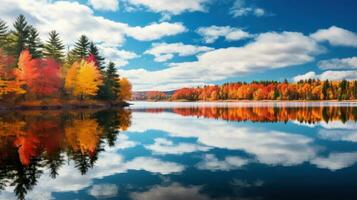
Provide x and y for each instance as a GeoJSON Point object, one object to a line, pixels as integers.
{"type": "Point", "coordinates": [33, 72]}
{"type": "Point", "coordinates": [304, 90]}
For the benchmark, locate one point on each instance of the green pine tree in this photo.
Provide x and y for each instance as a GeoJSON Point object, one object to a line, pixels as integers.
{"type": "Point", "coordinates": [19, 36]}
{"type": "Point", "coordinates": [95, 52]}
{"type": "Point", "coordinates": [34, 43]}
{"type": "Point", "coordinates": [325, 88]}
{"type": "Point", "coordinates": [81, 48]}
{"type": "Point", "coordinates": [3, 34]}
{"type": "Point", "coordinates": [111, 87]}
{"type": "Point", "coordinates": [54, 47]}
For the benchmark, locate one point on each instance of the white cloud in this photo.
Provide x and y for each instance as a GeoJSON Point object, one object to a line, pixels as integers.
{"type": "Point", "coordinates": [103, 191]}
{"type": "Point", "coordinates": [122, 142]}
{"type": "Point", "coordinates": [339, 135]}
{"type": "Point", "coordinates": [240, 8]}
{"type": "Point", "coordinates": [212, 33]}
{"type": "Point", "coordinates": [111, 5]}
{"type": "Point", "coordinates": [308, 75]}
{"type": "Point", "coordinates": [268, 51]}
{"type": "Point", "coordinates": [173, 191]}
{"type": "Point", "coordinates": [210, 162]}
{"type": "Point", "coordinates": [154, 165]}
{"type": "Point", "coordinates": [336, 161]}
{"type": "Point", "coordinates": [330, 75]}
{"type": "Point", "coordinates": [336, 36]}
{"type": "Point", "coordinates": [164, 51]}
{"type": "Point", "coordinates": [172, 7]}
{"type": "Point", "coordinates": [164, 146]}
{"type": "Point", "coordinates": [156, 31]}
{"type": "Point", "coordinates": [48, 15]}
{"type": "Point", "coordinates": [119, 57]}
{"type": "Point", "coordinates": [265, 146]}
{"type": "Point", "coordinates": [336, 63]}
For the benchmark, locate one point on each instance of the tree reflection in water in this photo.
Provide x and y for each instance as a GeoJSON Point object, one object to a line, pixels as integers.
{"type": "Point", "coordinates": [36, 140]}
{"type": "Point", "coordinates": [307, 114]}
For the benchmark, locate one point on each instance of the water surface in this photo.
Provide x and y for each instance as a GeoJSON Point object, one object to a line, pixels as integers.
{"type": "Point", "coordinates": [185, 151]}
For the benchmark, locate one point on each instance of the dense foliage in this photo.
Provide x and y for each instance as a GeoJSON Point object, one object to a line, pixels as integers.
{"type": "Point", "coordinates": [265, 90]}
{"type": "Point", "coordinates": [31, 70]}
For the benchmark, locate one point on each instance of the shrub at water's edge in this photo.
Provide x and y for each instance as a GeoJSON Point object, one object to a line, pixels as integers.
{"type": "Point", "coordinates": [36, 74]}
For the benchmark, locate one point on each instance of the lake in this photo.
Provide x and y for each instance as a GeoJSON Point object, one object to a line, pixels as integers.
{"type": "Point", "coordinates": [180, 151]}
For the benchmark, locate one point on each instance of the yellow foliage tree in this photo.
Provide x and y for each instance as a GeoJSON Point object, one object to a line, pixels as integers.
{"type": "Point", "coordinates": [125, 89]}
{"type": "Point", "coordinates": [83, 79]}
{"type": "Point", "coordinates": [71, 76]}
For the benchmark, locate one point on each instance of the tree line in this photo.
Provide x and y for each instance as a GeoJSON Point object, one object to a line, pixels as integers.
{"type": "Point", "coordinates": [31, 69]}
{"type": "Point", "coordinates": [310, 89]}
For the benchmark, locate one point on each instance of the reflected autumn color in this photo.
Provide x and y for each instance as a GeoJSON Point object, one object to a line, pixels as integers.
{"type": "Point", "coordinates": [36, 140]}
{"type": "Point", "coordinates": [268, 114]}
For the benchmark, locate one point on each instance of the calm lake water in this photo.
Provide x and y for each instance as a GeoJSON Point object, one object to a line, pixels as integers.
{"type": "Point", "coordinates": [181, 151]}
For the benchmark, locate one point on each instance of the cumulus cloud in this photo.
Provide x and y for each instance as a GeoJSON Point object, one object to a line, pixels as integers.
{"type": "Point", "coordinates": [172, 7]}
{"type": "Point", "coordinates": [268, 51]}
{"type": "Point", "coordinates": [164, 146]}
{"type": "Point", "coordinates": [240, 8]}
{"type": "Point", "coordinates": [155, 31]}
{"type": "Point", "coordinates": [111, 5]}
{"type": "Point", "coordinates": [210, 162]}
{"type": "Point", "coordinates": [308, 75]}
{"type": "Point", "coordinates": [164, 51]}
{"type": "Point", "coordinates": [154, 165]}
{"type": "Point", "coordinates": [48, 15]}
{"type": "Point", "coordinates": [339, 135]}
{"type": "Point", "coordinates": [119, 57]}
{"type": "Point", "coordinates": [339, 63]}
{"type": "Point", "coordinates": [265, 146]}
{"type": "Point", "coordinates": [330, 75]}
{"type": "Point", "coordinates": [336, 36]}
{"type": "Point", "coordinates": [212, 33]}
{"type": "Point", "coordinates": [336, 161]}
{"type": "Point", "coordinates": [103, 191]}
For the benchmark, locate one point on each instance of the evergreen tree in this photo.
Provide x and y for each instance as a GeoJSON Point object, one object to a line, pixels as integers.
{"type": "Point", "coordinates": [343, 90]}
{"type": "Point", "coordinates": [111, 87]}
{"type": "Point", "coordinates": [3, 34]}
{"type": "Point", "coordinates": [54, 47]}
{"type": "Point", "coordinates": [19, 36]}
{"type": "Point", "coordinates": [325, 88]}
{"type": "Point", "coordinates": [81, 48]}
{"type": "Point", "coordinates": [34, 43]}
{"type": "Point", "coordinates": [93, 50]}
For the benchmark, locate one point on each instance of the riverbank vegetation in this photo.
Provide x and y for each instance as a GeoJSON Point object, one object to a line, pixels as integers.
{"type": "Point", "coordinates": [37, 73]}
{"type": "Point", "coordinates": [304, 90]}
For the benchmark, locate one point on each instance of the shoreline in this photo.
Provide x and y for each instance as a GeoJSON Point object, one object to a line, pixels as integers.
{"type": "Point", "coordinates": [77, 106]}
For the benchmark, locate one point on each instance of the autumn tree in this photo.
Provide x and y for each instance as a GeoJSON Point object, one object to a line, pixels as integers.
{"type": "Point", "coordinates": [54, 47]}
{"type": "Point", "coordinates": [83, 79]}
{"type": "Point", "coordinates": [125, 89]}
{"type": "Point", "coordinates": [49, 80]}
{"type": "Point", "coordinates": [8, 83]}
{"type": "Point", "coordinates": [27, 71]}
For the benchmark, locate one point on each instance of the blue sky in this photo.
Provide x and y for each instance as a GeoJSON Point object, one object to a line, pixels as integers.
{"type": "Point", "coordinates": [166, 44]}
